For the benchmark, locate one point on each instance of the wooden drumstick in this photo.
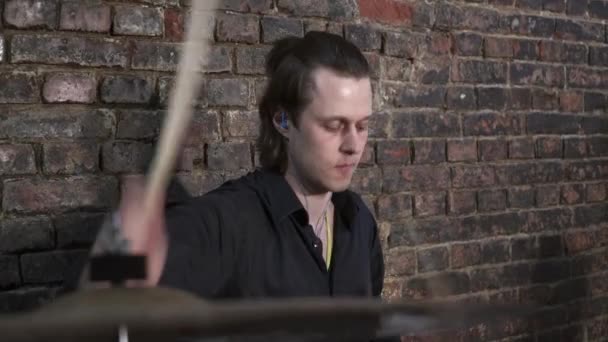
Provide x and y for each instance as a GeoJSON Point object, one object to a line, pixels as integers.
{"type": "Point", "coordinates": [186, 88]}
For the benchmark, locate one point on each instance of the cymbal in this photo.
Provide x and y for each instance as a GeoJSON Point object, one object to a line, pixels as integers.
{"type": "Point", "coordinates": [163, 314]}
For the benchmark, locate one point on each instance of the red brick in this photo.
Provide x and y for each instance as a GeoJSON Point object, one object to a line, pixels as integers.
{"type": "Point", "coordinates": [174, 24]}
{"type": "Point", "coordinates": [572, 193]}
{"type": "Point", "coordinates": [400, 262]}
{"type": "Point", "coordinates": [596, 192]}
{"type": "Point", "coordinates": [417, 177]}
{"type": "Point", "coordinates": [543, 99]}
{"type": "Point", "coordinates": [85, 17]}
{"type": "Point", "coordinates": [429, 204]}
{"type": "Point", "coordinates": [393, 207]}
{"type": "Point", "coordinates": [393, 152]}
{"type": "Point", "coordinates": [491, 200]}
{"type": "Point", "coordinates": [492, 124]}
{"type": "Point", "coordinates": [366, 180]}
{"type": "Point", "coordinates": [36, 194]}
{"type": "Point", "coordinates": [549, 147]}
{"type": "Point", "coordinates": [462, 202]}
{"type": "Point", "coordinates": [387, 11]}
{"type": "Point", "coordinates": [70, 88]}
{"type": "Point", "coordinates": [571, 101]}
{"type": "Point", "coordinates": [465, 254]}
{"type": "Point", "coordinates": [17, 159]}
{"type": "Point", "coordinates": [579, 241]}
{"type": "Point", "coordinates": [429, 151]}
{"type": "Point", "coordinates": [469, 176]}
{"type": "Point", "coordinates": [498, 47]}
{"type": "Point", "coordinates": [70, 158]}
{"type": "Point", "coordinates": [462, 149]}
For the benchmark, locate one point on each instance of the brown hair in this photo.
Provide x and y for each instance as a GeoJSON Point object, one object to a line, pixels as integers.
{"type": "Point", "coordinates": [289, 66]}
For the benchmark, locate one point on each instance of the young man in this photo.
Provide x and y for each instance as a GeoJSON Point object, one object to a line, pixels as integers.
{"type": "Point", "coordinates": [291, 228]}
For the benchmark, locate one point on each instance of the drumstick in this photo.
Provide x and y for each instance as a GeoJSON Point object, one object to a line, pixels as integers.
{"type": "Point", "coordinates": [186, 88]}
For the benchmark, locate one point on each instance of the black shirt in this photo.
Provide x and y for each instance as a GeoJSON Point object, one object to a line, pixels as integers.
{"type": "Point", "coordinates": [250, 238]}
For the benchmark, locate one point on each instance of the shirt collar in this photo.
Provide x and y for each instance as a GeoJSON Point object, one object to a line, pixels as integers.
{"type": "Point", "coordinates": [283, 202]}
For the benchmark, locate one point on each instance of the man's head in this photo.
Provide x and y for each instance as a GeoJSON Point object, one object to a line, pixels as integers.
{"type": "Point", "coordinates": [315, 110]}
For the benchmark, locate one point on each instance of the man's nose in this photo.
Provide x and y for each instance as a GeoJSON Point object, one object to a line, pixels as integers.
{"type": "Point", "coordinates": [352, 143]}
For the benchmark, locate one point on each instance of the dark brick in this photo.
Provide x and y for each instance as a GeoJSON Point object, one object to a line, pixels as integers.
{"type": "Point", "coordinates": [523, 248]}
{"type": "Point", "coordinates": [598, 146]}
{"type": "Point", "coordinates": [126, 157]}
{"type": "Point", "coordinates": [429, 151]}
{"type": "Point", "coordinates": [462, 149]}
{"type": "Point", "coordinates": [77, 229]}
{"type": "Point", "coordinates": [251, 59]}
{"type": "Point", "coordinates": [31, 14]}
{"type": "Point", "coordinates": [580, 77]}
{"type": "Point", "coordinates": [468, 18]}
{"type": "Point", "coordinates": [576, 7]}
{"type": "Point", "coordinates": [578, 31]}
{"type": "Point", "coordinates": [598, 328]}
{"type": "Point", "coordinates": [467, 44]}
{"type": "Point", "coordinates": [364, 36]}
{"type": "Point", "coordinates": [70, 88]}
{"type": "Point", "coordinates": [461, 98]}
{"type": "Point", "coordinates": [596, 192]}
{"type": "Point", "coordinates": [529, 4]}
{"type": "Point", "coordinates": [521, 198]}
{"type": "Point", "coordinates": [400, 44]}
{"type": "Point", "coordinates": [400, 262]}
{"type": "Point", "coordinates": [549, 147]}
{"type": "Point", "coordinates": [550, 246]}
{"type": "Point", "coordinates": [550, 271]}
{"type": "Point", "coordinates": [204, 127]}
{"type": "Point", "coordinates": [137, 21]}
{"type": "Point", "coordinates": [521, 148]}
{"type": "Point", "coordinates": [536, 74]}
{"type": "Point", "coordinates": [491, 200]}
{"type": "Point", "coordinates": [254, 6]}
{"type": "Point", "coordinates": [19, 87]}
{"type": "Point", "coordinates": [465, 254]}
{"type": "Point", "coordinates": [320, 8]}
{"type": "Point", "coordinates": [373, 59]}
{"type": "Point", "coordinates": [554, 5]}
{"type": "Point", "coordinates": [520, 98]}
{"type": "Point", "coordinates": [59, 194]}
{"type": "Point", "coordinates": [595, 102]}
{"type": "Point", "coordinates": [570, 101]}
{"type": "Point", "coordinates": [433, 70]}
{"type": "Point", "coordinates": [417, 177]}
{"type": "Point", "coordinates": [544, 99]}
{"type": "Point", "coordinates": [547, 123]}
{"type": "Point", "coordinates": [368, 157]}
{"type": "Point", "coordinates": [85, 17]}
{"type": "Point", "coordinates": [70, 158]}
{"type": "Point", "coordinates": [495, 149]}
{"type": "Point", "coordinates": [462, 202]}
{"type": "Point", "coordinates": [241, 123]}
{"type": "Point", "coordinates": [598, 9]}
{"type": "Point", "coordinates": [160, 56]}
{"type": "Point", "coordinates": [174, 24]}
{"type": "Point", "coordinates": [433, 259]}
{"type": "Point", "coordinates": [9, 271]}
{"type": "Point", "coordinates": [229, 156]}
{"type": "Point", "coordinates": [485, 72]}
{"type": "Point", "coordinates": [138, 124]}
{"type": "Point", "coordinates": [275, 28]}
{"type": "Point", "coordinates": [24, 234]}
{"type": "Point", "coordinates": [228, 92]}
{"type": "Point", "coordinates": [394, 207]}
{"type": "Point", "coordinates": [575, 148]}
{"type": "Point", "coordinates": [408, 96]}
{"type": "Point", "coordinates": [499, 277]}
{"type": "Point", "coordinates": [45, 124]}
{"type": "Point", "coordinates": [429, 204]}
{"type": "Point", "coordinates": [572, 193]}
{"type": "Point", "coordinates": [470, 176]}
{"type": "Point", "coordinates": [492, 98]}
{"type": "Point", "coordinates": [191, 158]}
{"type": "Point", "coordinates": [393, 152]}
{"type": "Point", "coordinates": [45, 267]}
{"type": "Point", "coordinates": [587, 170]}
{"type": "Point", "coordinates": [547, 195]}
{"type": "Point", "coordinates": [590, 214]}
{"type": "Point", "coordinates": [17, 159]}
{"type": "Point", "coordinates": [26, 298]}
{"type": "Point", "coordinates": [492, 124]}
{"type": "Point", "coordinates": [484, 226]}
{"type": "Point", "coordinates": [495, 251]}
{"type": "Point", "coordinates": [525, 49]}
{"type": "Point", "coordinates": [238, 28]}
{"type": "Point", "coordinates": [453, 283]}
{"type": "Point", "coordinates": [532, 25]}
{"type": "Point", "coordinates": [530, 173]}
{"type": "Point", "coordinates": [498, 47]}
{"type": "Point", "coordinates": [594, 124]}
{"type": "Point", "coordinates": [424, 125]}
{"type": "Point", "coordinates": [126, 89]}
{"type": "Point", "coordinates": [551, 51]}
{"type": "Point", "coordinates": [367, 180]}
{"type": "Point", "coordinates": [396, 69]}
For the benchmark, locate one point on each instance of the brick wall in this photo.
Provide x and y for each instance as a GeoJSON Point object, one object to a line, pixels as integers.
{"type": "Point", "coordinates": [487, 167]}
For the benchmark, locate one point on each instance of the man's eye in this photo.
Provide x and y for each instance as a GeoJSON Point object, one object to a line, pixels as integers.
{"type": "Point", "coordinates": [333, 126]}
{"type": "Point", "coordinates": [363, 126]}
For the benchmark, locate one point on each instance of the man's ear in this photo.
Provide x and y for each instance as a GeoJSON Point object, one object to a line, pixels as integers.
{"type": "Point", "coordinates": [281, 122]}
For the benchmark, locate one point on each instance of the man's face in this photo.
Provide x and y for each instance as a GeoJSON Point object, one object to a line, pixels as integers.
{"type": "Point", "coordinates": [325, 149]}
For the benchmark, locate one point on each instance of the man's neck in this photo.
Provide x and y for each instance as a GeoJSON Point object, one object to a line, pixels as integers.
{"type": "Point", "coordinates": [314, 202]}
